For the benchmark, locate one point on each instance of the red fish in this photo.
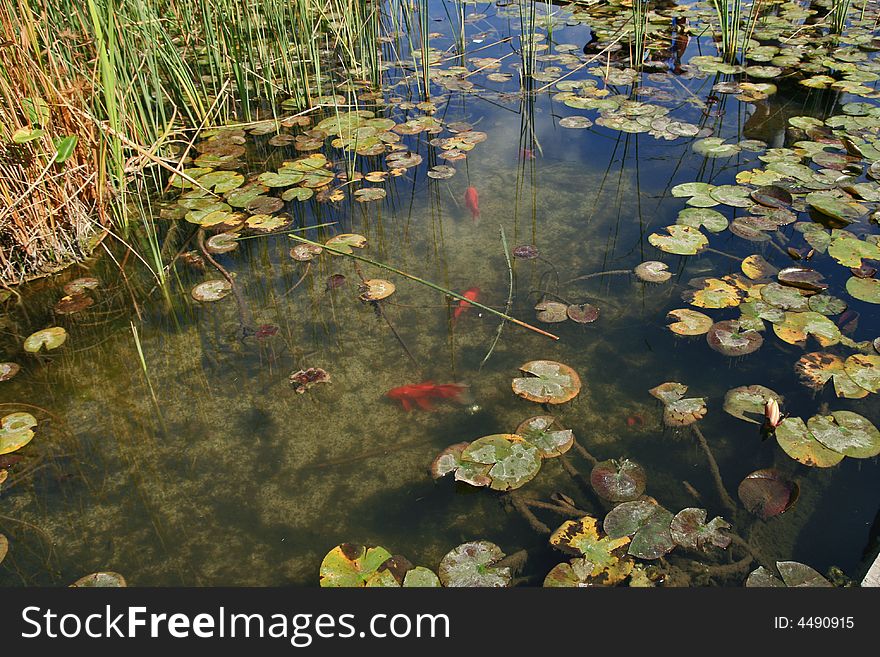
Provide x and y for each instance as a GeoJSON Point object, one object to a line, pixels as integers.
{"type": "Point", "coordinates": [421, 394]}
{"type": "Point", "coordinates": [473, 294]}
{"type": "Point", "coordinates": [472, 201]}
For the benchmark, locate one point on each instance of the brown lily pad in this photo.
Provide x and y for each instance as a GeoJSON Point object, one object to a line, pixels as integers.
{"type": "Point", "coordinates": [768, 493]}
{"type": "Point", "coordinates": [727, 338]}
{"type": "Point", "coordinates": [302, 380]}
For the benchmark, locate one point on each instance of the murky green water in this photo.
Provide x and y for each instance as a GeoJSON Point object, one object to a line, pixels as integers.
{"type": "Point", "coordinates": [208, 469]}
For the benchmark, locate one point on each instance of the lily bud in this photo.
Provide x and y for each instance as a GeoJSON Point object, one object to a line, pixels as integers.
{"type": "Point", "coordinates": [771, 412]}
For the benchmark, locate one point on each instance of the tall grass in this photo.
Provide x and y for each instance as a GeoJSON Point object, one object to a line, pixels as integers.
{"type": "Point", "coordinates": [838, 15]}
{"type": "Point", "coordinates": [640, 28]}
{"type": "Point", "coordinates": [729, 14]}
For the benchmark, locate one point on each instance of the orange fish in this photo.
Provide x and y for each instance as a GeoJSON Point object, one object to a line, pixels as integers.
{"type": "Point", "coordinates": [473, 294]}
{"type": "Point", "coordinates": [472, 201]}
{"type": "Point", "coordinates": [421, 394]}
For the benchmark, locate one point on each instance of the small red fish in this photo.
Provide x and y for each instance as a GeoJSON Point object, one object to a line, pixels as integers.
{"type": "Point", "coordinates": [472, 201]}
{"type": "Point", "coordinates": [421, 394]}
{"type": "Point", "coordinates": [473, 294]}
{"type": "Point", "coordinates": [635, 420]}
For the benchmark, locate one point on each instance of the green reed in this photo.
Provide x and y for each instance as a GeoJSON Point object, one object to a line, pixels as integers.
{"type": "Point", "coordinates": [729, 14]}
{"type": "Point", "coordinates": [838, 15]}
{"type": "Point", "coordinates": [640, 27]}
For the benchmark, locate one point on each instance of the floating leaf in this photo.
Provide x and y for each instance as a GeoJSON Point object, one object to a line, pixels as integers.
{"type": "Point", "coordinates": [756, 268]}
{"type": "Point", "coordinates": [474, 565]}
{"type": "Point", "coordinates": [730, 339]}
{"type": "Point", "coordinates": [784, 298]}
{"type": "Point", "coordinates": [846, 433]}
{"type": "Point", "coordinates": [653, 271]}
{"type": "Point", "coordinates": [802, 278]}
{"type": "Point", "coordinates": [71, 304]}
{"type": "Point", "coordinates": [681, 240]}
{"type": "Point", "coordinates": [767, 493]}
{"type": "Point", "coordinates": [4, 546]}
{"type": "Point", "coordinates": [796, 574]}
{"type": "Point", "coordinates": [826, 304]}
{"type": "Point", "coordinates": [749, 399]}
{"type": "Point", "coordinates": [212, 290]}
{"type": "Point", "coordinates": [711, 220]}
{"type": "Point", "coordinates": [420, 577]}
{"type": "Point", "coordinates": [835, 207]}
{"type": "Point", "coordinates": [797, 326]}
{"type": "Point", "coordinates": [551, 312]}
{"type": "Point", "coordinates": [552, 383]}
{"type": "Point", "coordinates": [369, 194]}
{"type": "Point", "coordinates": [714, 147]}
{"type": "Point", "coordinates": [648, 524]}
{"type": "Point", "coordinates": [864, 289]}
{"type": "Point", "coordinates": [8, 370]}
{"type": "Point", "coordinates": [689, 529]}
{"type": "Point", "coordinates": [689, 322]}
{"type": "Point", "coordinates": [305, 252]}
{"type": "Point", "coordinates": [713, 293]}
{"type": "Point", "coordinates": [602, 554]}
{"type": "Point", "coordinates": [732, 195]}
{"type": "Point", "coordinates": [864, 371]}
{"type": "Point", "coordinates": [221, 243]}
{"type": "Point", "coordinates": [618, 481]}
{"type": "Point", "coordinates": [302, 380]}
{"type": "Point", "coordinates": [16, 431]}
{"type": "Point", "coordinates": [50, 338]}
{"type": "Point", "coordinates": [449, 460]}
{"type": "Point", "coordinates": [375, 289]}
{"type": "Point", "coordinates": [849, 250]}
{"type": "Point", "coordinates": [814, 370]}
{"type": "Point", "coordinates": [514, 460]}
{"type": "Point", "coordinates": [349, 565]}
{"type": "Point", "coordinates": [796, 440]}
{"type": "Point", "coordinates": [763, 578]}
{"type": "Point", "coordinates": [575, 122]}
{"type": "Point", "coordinates": [772, 196]}
{"type": "Point", "coordinates": [104, 579]}
{"type": "Point", "coordinates": [536, 430]}
{"type": "Point", "coordinates": [262, 204]}
{"type": "Point", "coordinates": [579, 573]}
{"type": "Point", "coordinates": [345, 242]}
{"type": "Point", "coordinates": [584, 313]}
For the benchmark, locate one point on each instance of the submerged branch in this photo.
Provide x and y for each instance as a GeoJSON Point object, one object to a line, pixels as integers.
{"type": "Point", "coordinates": [726, 500]}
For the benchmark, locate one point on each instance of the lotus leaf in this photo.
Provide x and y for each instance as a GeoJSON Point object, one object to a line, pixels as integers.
{"type": "Point", "coordinates": [513, 460]}
{"type": "Point", "coordinates": [552, 383]}
{"type": "Point", "coordinates": [474, 565]}
{"type": "Point", "coordinates": [647, 522]}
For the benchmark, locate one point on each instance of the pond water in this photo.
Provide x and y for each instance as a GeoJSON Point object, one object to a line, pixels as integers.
{"type": "Point", "coordinates": [198, 463]}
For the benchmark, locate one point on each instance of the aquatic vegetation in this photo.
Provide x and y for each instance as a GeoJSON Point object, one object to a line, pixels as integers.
{"type": "Point", "coordinates": [100, 580]}
{"type": "Point", "coordinates": [48, 339]}
{"type": "Point", "coordinates": [791, 573]}
{"type": "Point", "coordinates": [767, 493]}
{"type": "Point", "coordinates": [551, 383]}
{"type": "Point", "coordinates": [16, 431]}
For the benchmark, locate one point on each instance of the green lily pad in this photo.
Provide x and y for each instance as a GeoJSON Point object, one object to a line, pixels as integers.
{"type": "Point", "coordinates": [763, 578]}
{"type": "Point", "coordinates": [50, 338]}
{"type": "Point", "coordinates": [221, 243]}
{"type": "Point", "coordinates": [579, 573]}
{"type": "Point", "coordinates": [826, 304]}
{"type": "Point", "coordinates": [690, 530]}
{"type": "Point", "coordinates": [849, 250]}
{"type": "Point", "coordinates": [713, 293]}
{"type": "Point", "coordinates": [796, 574]}
{"type": "Point", "coordinates": [264, 204]}
{"type": "Point", "coordinates": [730, 339]}
{"type": "Point", "coordinates": [677, 410]}
{"type": "Point", "coordinates": [450, 461]}
{"type": "Point", "coordinates": [349, 565]}
{"type": "Point", "coordinates": [105, 579]}
{"type": "Point", "coordinates": [285, 179]}
{"type": "Point", "coordinates": [240, 197]}
{"type": "Point", "coordinates": [711, 220]}
{"type": "Point", "coordinates": [8, 370]}
{"type": "Point", "coordinates": [345, 242]}
{"type": "Point", "coordinates": [797, 326]}
{"type": "Point", "coordinates": [420, 577]}
{"type": "Point", "coordinates": [653, 271]}
{"type": "Point", "coordinates": [681, 240]}
{"type": "Point", "coordinates": [221, 182]}
{"type": "Point", "coordinates": [864, 371]}
{"type": "Point", "coordinates": [732, 195]}
{"type": "Point", "coordinates": [864, 289]}
{"type": "Point", "coordinates": [753, 314]}
{"type": "Point", "coordinates": [692, 189]}
{"type": "Point", "coordinates": [798, 442]}
{"type": "Point", "coordinates": [618, 481]}
{"type": "Point", "coordinates": [835, 207]}
{"type": "Point", "coordinates": [551, 312]}
{"type": "Point", "coordinates": [16, 431]}
{"type": "Point", "coordinates": [212, 290]}
{"type": "Point", "coordinates": [767, 493]}
{"type": "Point", "coordinates": [784, 297]}
{"type": "Point", "coordinates": [688, 322]}
{"type": "Point", "coordinates": [297, 194]}
{"type": "Point", "coordinates": [815, 369]}
{"type": "Point", "coordinates": [552, 383]}
{"type": "Point", "coordinates": [266, 223]}
{"type": "Point", "coordinates": [714, 147]}
{"type": "Point", "coordinates": [846, 433]}
{"type": "Point", "coordinates": [474, 565]}
{"type": "Point", "coordinates": [749, 399]}
{"type": "Point", "coordinates": [513, 460]}
{"type": "Point", "coordinates": [536, 430]}
{"type": "Point", "coordinates": [647, 522]}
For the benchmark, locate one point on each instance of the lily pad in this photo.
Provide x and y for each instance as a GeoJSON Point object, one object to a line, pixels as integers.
{"type": "Point", "coordinates": [583, 313]}
{"type": "Point", "coordinates": [602, 554]}
{"type": "Point", "coordinates": [711, 220]}
{"type": "Point", "coordinates": [784, 298]}
{"type": "Point", "coordinates": [864, 371]}
{"type": "Point", "coordinates": [349, 565]}
{"type": "Point", "coordinates": [713, 293]}
{"type": "Point", "coordinates": [16, 431]}
{"type": "Point", "coordinates": [8, 370]}
{"type": "Point", "coordinates": [767, 493]}
{"type": "Point", "coordinates": [797, 326]}
{"type": "Point", "coordinates": [846, 433]}
{"type": "Point", "coordinates": [551, 312]}
{"type": "Point", "coordinates": [653, 271]}
{"type": "Point", "coordinates": [826, 304]}
{"type": "Point", "coordinates": [796, 440]}
{"type": "Point", "coordinates": [835, 207]}
{"type": "Point", "coordinates": [345, 242]}
{"type": "Point", "coordinates": [618, 480]}
{"type": "Point", "coordinates": [302, 380]}
{"type": "Point", "coordinates": [849, 250]}
{"type": "Point", "coordinates": [730, 339]}
{"type": "Point", "coordinates": [749, 399]}
{"type": "Point", "coordinates": [50, 338]}
{"type": "Point", "coordinates": [73, 303]}
{"type": "Point", "coordinates": [690, 530]}
{"type": "Point", "coordinates": [688, 322]}
{"type": "Point", "coordinates": [305, 252]}
{"type": "Point", "coordinates": [420, 577]}
{"type": "Point", "coordinates": [802, 278]}
{"type": "Point", "coordinates": [579, 573]}
{"type": "Point", "coordinates": [763, 578]}
{"type": "Point", "coordinates": [104, 579]}
{"type": "Point", "coordinates": [816, 368]}
{"type": "Point", "coordinates": [647, 522]}
{"type": "Point", "coordinates": [212, 290]}
{"type": "Point", "coordinates": [81, 285]}
{"type": "Point", "coordinates": [772, 196]}
{"type": "Point", "coordinates": [537, 431]}
{"type": "Point", "coordinates": [552, 383]}
{"type": "Point", "coordinates": [864, 289]}
{"type": "Point", "coordinates": [714, 147]}
{"type": "Point", "coordinates": [221, 243]}
{"type": "Point", "coordinates": [677, 411]}
{"type": "Point", "coordinates": [375, 289]}
{"type": "Point", "coordinates": [681, 240]}
{"type": "Point", "coordinates": [796, 574]}
{"type": "Point", "coordinates": [4, 547]}
{"type": "Point", "coordinates": [450, 461]}
{"type": "Point", "coordinates": [757, 268]}
{"type": "Point", "coordinates": [473, 564]}
{"type": "Point", "coordinates": [514, 460]}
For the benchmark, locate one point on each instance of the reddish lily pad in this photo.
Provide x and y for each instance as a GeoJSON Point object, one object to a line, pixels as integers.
{"type": "Point", "coordinates": [729, 339]}
{"type": "Point", "coordinates": [584, 313]}
{"type": "Point", "coordinates": [302, 380]}
{"type": "Point", "coordinates": [618, 481]}
{"type": "Point", "coordinates": [689, 529]}
{"type": "Point", "coordinates": [647, 522]}
{"type": "Point", "coordinates": [768, 493]}
{"type": "Point", "coordinates": [305, 252]}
